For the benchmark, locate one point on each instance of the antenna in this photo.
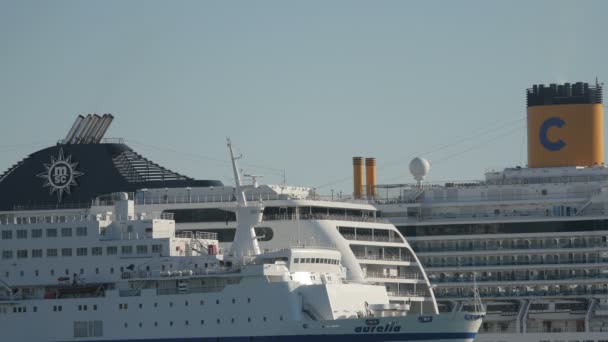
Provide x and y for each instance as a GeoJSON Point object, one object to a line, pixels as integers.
{"type": "Point", "coordinates": [254, 179]}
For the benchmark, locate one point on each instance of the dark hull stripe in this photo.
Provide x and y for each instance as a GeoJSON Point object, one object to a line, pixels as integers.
{"type": "Point", "coordinates": [370, 337]}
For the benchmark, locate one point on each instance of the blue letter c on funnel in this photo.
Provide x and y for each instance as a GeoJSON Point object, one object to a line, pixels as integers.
{"type": "Point", "coordinates": [544, 140]}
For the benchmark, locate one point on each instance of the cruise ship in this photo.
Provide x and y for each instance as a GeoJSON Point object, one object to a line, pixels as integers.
{"type": "Point", "coordinates": [82, 261]}
{"type": "Point", "coordinates": [533, 240]}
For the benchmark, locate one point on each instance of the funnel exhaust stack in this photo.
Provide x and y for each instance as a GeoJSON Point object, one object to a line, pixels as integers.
{"type": "Point", "coordinates": [370, 175]}
{"type": "Point", "coordinates": [358, 177]}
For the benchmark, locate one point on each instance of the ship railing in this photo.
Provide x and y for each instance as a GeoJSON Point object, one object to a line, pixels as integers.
{"type": "Point", "coordinates": [438, 249]}
{"type": "Point", "coordinates": [333, 217]}
{"type": "Point", "coordinates": [524, 215]}
{"type": "Point", "coordinates": [480, 280]}
{"type": "Point", "coordinates": [186, 234]}
{"type": "Point", "coordinates": [591, 262]}
{"type": "Point", "coordinates": [384, 258]}
{"type": "Point", "coordinates": [412, 276]}
{"type": "Point", "coordinates": [406, 293]}
{"type": "Point", "coordinates": [521, 294]}
{"type": "Point", "coordinates": [425, 195]}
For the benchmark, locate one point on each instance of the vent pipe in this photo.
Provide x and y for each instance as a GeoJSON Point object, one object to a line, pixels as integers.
{"type": "Point", "coordinates": [73, 130]}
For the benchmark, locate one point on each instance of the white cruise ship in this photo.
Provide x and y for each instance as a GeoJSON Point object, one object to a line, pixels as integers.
{"type": "Point", "coordinates": [533, 240]}
{"type": "Point", "coordinates": [77, 270]}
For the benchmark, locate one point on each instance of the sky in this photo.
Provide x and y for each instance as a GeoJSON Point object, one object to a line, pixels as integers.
{"type": "Point", "coordinates": [300, 87]}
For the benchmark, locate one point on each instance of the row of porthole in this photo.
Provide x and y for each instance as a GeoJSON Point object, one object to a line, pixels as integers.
{"type": "Point", "coordinates": [186, 303]}
{"type": "Point", "coordinates": [218, 321]}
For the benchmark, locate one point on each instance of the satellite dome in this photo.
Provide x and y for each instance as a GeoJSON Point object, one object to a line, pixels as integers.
{"type": "Point", "coordinates": [419, 167]}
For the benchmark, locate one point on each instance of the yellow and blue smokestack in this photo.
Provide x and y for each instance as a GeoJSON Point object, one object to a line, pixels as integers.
{"type": "Point", "coordinates": [565, 125]}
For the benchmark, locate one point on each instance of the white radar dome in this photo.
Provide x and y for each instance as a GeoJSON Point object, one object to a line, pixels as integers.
{"type": "Point", "coordinates": [419, 167]}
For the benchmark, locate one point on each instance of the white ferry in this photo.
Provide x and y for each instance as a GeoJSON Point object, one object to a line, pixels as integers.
{"type": "Point", "coordinates": [93, 274]}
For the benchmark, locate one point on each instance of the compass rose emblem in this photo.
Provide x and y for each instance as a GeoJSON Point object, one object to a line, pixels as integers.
{"type": "Point", "coordinates": [60, 175]}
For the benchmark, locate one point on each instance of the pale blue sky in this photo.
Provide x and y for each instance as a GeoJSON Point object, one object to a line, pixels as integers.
{"type": "Point", "coordinates": [297, 85]}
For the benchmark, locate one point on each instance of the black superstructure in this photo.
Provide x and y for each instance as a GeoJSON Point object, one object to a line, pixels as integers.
{"type": "Point", "coordinates": [72, 175]}
{"type": "Point", "coordinates": [558, 94]}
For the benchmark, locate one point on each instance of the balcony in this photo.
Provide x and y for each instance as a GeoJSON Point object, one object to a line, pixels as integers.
{"type": "Point", "coordinates": [376, 257]}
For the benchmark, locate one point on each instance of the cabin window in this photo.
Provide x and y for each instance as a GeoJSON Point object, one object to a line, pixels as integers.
{"type": "Point", "coordinates": [66, 252]}
{"type": "Point", "coordinates": [7, 254]}
{"type": "Point", "coordinates": [21, 234]}
{"type": "Point", "coordinates": [157, 248]}
{"type": "Point", "coordinates": [36, 253]}
{"type": "Point", "coordinates": [66, 232]}
{"type": "Point", "coordinates": [51, 232]}
{"type": "Point", "coordinates": [81, 251]}
{"type": "Point", "coordinates": [7, 234]}
{"type": "Point", "coordinates": [88, 328]}
{"type": "Point", "coordinates": [51, 252]}
{"type": "Point", "coordinates": [81, 231]}
{"type": "Point", "coordinates": [96, 251]}
{"type": "Point", "coordinates": [36, 233]}
{"type": "Point", "coordinates": [142, 249]}
{"type": "Point", "coordinates": [126, 249]}
{"type": "Point", "coordinates": [111, 250]}
{"type": "Point", "coordinates": [22, 254]}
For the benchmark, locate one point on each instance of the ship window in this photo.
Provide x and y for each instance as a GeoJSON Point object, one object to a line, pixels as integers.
{"type": "Point", "coordinates": [142, 249]}
{"type": "Point", "coordinates": [51, 252]}
{"type": "Point", "coordinates": [202, 321]}
{"type": "Point", "coordinates": [7, 254]}
{"type": "Point", "coordinates": [7, 234]}
{"type": "Point", "coordinates": [52, 272]}
{"type": "Point", "coordinates": [156, 248]}
{"type": "Point", "coordinates": [51, 232]}
{"type": "Point", "coordinates": [22, 254]}
{"type": "Point", "coordinates": [155, 324]}
{"type": "Point", "coordinates": [36, 233]}
{"type": "Point", "coordinates": [81, 251]}
{"type": "Point", "coordinates": [66, 232]}
{"type": "Point", "coordinates": [21, 234]}
{"type": "Point", "coordinates": [96, 251]}
{"type": "Point", "coordinates": [66, 252]}
{"type": "Point", "coordinates": [296, 260]}
{"type": "Point", "coordinates": [111, 250]}
{"type": "Point", "coordinates": [126, 249]}
{"type": "Point", "coordinates": [36, 253]}
{"type": "Point", "coordinates": [202, 215]}
{"type": "Point", "coordinates": [81, 231]}
{"type": "Point", "coordinates": [36, 273]}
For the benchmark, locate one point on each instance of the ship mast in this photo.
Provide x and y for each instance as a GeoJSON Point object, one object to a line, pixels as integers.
{"type": "Point", "coordinates": [247, 216]}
